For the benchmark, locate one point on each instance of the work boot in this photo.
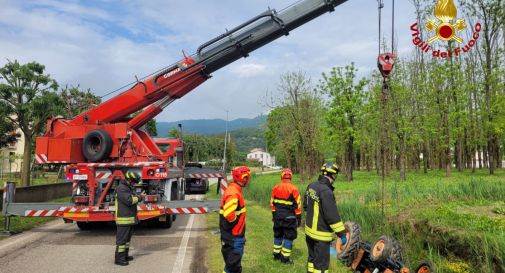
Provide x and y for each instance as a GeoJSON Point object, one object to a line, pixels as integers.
{"type": "Point", "coordinates": [120, 259]}
{"type": "Point", "coordinates": [286, 260]}
{"type": "Point", "coordinates": [128, 257]}
{"type": "Point", "coordinates": [277, 256]}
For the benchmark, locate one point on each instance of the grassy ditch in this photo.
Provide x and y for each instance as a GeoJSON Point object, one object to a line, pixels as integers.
{"type": "Point", "coordinates": [26, 223]}
{"type": "Point", "coordinates": [455, 222]}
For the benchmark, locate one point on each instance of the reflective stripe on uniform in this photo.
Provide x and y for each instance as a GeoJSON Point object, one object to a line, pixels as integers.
{"type": "Point", "coordinates": [315, 217]}
{"type": "Point", "coordinates": [338, 227]}
{"type": "Point", "coordinates": [310, 267]}
{"type": "Point", "coordinates": [233, 201]}
{"type": "Point", "coordinates": [238, 212]}
{"type": "Point", "coordinates": [319, 235]}
{"type": "Point", "coordinates": [121, 248]}
{"type": "Point", "coordinates": [286, 252]}
{"type": "Point", "coordinates": [125, 220]}
{"type": "Point", "coordinates": [284, 202]}
{"type": "Point", "coordinates": [277, 249]}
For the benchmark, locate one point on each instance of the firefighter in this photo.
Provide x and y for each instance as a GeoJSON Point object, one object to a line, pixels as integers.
{"type": "Point", "coordinates": [126, 215]}
{"type": "Point", "coordinates": [232, 220]}
{"type": "Point", "coordinates": [286, 205]}
{"type": "Point", "coordinates": [322, 219]}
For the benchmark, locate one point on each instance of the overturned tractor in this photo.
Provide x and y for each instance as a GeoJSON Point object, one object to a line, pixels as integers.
{"type": "Point", "coordinates": [383, 256]}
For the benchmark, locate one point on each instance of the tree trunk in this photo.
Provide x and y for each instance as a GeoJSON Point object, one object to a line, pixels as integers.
{"type": "Point", "coordinates": [479, 156]}
{"type": "Point", "coordinates": [27, 161]}
{"type": "Point", "coordinates": [402, 157]}
{"type": "Point", "coordinates": [426, 156]}
{"type": "Point", "coordinates": [485, 161]}
{"type": "Point", "coordinates": [459, 145]}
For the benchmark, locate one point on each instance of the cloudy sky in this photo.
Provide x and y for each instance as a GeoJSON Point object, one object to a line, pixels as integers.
{"type": "Point", "coordinates": [102, 45]}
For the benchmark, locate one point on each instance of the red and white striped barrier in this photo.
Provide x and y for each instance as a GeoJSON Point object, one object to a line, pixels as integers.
{"type": "Point", "coordinates": [55, 213]}
{"type": "Point", "coordinates": [42, 159]}
{"type": "Point", "coordinates": [205, 175]}
{"type": "Point", "coordinates": [224, 185]}
{"type": "Point", "coordinates": [197, 210]}
{"type": "Point", "coordinates": [103, 174]}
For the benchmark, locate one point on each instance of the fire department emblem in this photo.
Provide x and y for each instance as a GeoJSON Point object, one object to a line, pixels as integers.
{"type": "Point", "coordinates": [445, 28]}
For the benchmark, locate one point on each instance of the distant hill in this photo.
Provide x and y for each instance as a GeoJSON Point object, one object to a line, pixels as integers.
{"type": "Point", "coordinates": [248, 138]}
{"type": "Point", "coordinates": [210, 126]}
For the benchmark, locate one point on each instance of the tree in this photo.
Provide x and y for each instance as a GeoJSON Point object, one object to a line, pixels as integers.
{"type": "Point", "coordinates": [28, 99]}
{"type": "Point", "coordinates": [346, 99]}
{"type": "Point", "coordinates": [8, 133]}
{"type": "Point", "coordinates": [151, 127]}
{"type": "Point", "coordinates": [76, 101]}
{"type": "Point", "coordinates": [299, 109]}
{"type": "Point", "coordinates": [492, 16]}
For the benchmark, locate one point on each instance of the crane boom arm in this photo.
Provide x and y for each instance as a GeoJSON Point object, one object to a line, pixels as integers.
{"type": "Point", "coordinates": [210, 56]}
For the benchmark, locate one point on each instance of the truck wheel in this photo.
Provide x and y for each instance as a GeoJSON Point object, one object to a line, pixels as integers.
{"type": "Point", "coordinates": [97, 145]}
{"type": "Point", "coordinates": [167, 223]}
{"type": "Point", "coordinates": [382, 249]}
{"type": "Point", "coordinates": [84, 225]}
{"type": "Point", "coordinates": [424, 267]}
{"type": "Point", "coordinates": [347, 253]}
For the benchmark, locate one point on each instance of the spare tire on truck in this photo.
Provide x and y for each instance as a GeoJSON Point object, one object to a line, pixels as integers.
{"type": "Point", "coordinates": [348, 252]}
{"type": "Point", "coordinates": [96, 145]}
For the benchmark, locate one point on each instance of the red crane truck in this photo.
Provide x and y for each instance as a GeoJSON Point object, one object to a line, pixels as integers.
{"type": "Point", "coordinates": [99, 145]}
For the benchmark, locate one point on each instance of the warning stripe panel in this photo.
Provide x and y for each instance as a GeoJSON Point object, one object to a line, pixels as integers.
{"type": "Point", "coordinates": [41, 213]}
{"type": "Point", "coordinates": [196, 210]}
{"type": "Point", "coordinates": [205, 175]}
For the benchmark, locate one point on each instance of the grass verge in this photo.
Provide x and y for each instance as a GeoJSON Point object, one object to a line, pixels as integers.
{"type": "Point", "coordinates": [451, 221]}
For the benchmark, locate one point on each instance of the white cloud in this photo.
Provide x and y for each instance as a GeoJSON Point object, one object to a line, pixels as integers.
{"type": "Point", "coordinates": [249, 70]}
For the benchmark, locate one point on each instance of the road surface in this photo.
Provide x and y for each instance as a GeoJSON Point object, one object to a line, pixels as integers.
{"type": "Point", "coordinates": [59, 247]}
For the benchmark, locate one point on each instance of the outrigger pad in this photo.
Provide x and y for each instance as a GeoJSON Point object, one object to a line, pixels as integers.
{"type": "Point", "coordinates": [386, 62]}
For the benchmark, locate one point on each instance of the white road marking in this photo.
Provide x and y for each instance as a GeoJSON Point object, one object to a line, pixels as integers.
{"type": "Point", "coordinates": [179, 261]}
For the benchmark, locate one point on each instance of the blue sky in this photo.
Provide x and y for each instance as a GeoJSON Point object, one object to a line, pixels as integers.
{"type": "Point", "coordinates": [102, 45]}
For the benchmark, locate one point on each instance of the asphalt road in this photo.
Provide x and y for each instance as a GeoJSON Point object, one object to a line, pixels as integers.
{"type": "Point", "coordinates": [59, 247]}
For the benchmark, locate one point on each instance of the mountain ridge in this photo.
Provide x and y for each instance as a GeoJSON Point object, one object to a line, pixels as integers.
{"type": "Point", "coordinates": [210, 126]}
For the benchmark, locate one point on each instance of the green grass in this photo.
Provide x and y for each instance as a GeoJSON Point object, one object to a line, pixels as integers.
{"type": "Point", "coordinates": [451, 221]}
{"type": "Point", "coordinates": [26, 223]}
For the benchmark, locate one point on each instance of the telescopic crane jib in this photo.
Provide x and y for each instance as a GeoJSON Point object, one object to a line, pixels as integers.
{"type": "Point", "coordinates": [106, 133]}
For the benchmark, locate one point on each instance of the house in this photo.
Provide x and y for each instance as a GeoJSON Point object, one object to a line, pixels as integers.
{"type": "Point", "coordinates": [11, 156]}
{"type": "Point", "coordinates": [258, 154]}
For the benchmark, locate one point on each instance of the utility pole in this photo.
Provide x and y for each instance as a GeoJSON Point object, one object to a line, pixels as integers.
{"type": "Point", "coordinates": [225, 140]}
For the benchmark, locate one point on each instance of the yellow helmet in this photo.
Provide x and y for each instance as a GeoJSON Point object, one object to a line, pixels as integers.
{"type": "Point", "coordinates": [329, 169]}
{"type": "Point", "coordinates": [133, 176]}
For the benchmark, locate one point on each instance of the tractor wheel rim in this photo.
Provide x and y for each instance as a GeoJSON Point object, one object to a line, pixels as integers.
{"type": "Point", "coordinates": [378, 248]}
{"type": "Point", "coordinates": [424, 269]}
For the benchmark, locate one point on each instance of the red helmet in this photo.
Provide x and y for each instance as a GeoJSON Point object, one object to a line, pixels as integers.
{"type": "Point", "coordinates": [286, 174]}
{"type": "Point", "coordinates": [241, 175]}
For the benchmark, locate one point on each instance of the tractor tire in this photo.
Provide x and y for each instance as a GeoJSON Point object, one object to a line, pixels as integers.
{"type": "Point", "coordinates": [97, 145]}
{"type": "Point", "coordinates": [396, 253]}
{"type": "Point", "coordinates": [424, 267]}
{"type": "Point", "coordinates": [382, 249]}
{"type": "Point", "coordinates": [84, 225]}
{"type": "Point", "coordinates": [348, 252]}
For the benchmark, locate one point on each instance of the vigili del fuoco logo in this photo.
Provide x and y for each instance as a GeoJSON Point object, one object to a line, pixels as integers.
{"type": "Point", "coordinates": [447, 27]}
